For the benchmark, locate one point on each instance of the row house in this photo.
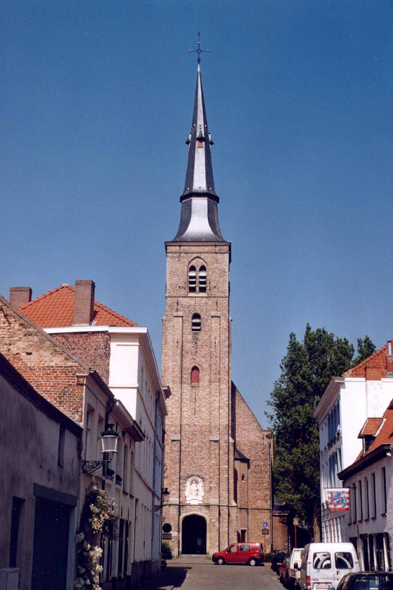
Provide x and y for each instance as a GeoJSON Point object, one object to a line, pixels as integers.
{"type": "Point", "coordinates": [39, 487]}
{"type": "Point", "coordinates": [369, 522]}
{"type": "Point", "coordinates": [122, 354]}
{"type": "Point", "coordinates": [131, 548]}
{"type": "Point", "coordinates": [350, 416]}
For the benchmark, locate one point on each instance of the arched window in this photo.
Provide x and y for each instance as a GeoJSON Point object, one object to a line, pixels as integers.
{"type": "Point", "coordinates": [202, 279]}
{"type": "Point", "coordinates": [192, 279]}
{"type": "Point", "coordinates": [194, 375]}
{"type": "Point", "coordinates": [196, 322]}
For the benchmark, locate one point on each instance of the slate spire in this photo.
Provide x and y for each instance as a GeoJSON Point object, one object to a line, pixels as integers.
{"type": "Point", "coordinates": [199, 216]}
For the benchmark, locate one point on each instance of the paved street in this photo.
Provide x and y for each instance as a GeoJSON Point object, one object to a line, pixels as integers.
{"type": "Point", "coordinates": [199, 573]}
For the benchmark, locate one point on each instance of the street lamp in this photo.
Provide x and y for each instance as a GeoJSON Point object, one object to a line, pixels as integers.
{"type": "Point", "coordinates": [109, 446]}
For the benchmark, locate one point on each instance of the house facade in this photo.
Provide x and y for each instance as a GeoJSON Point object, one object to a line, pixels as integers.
{"type": "Point", "coordinates": [122, 354]}
{"type": "Point", "coordinates": [362, 392]}
{"type": "Point", "coordinates": [369, 522]}
{"type": "Point", "coordinates": [39, 487]}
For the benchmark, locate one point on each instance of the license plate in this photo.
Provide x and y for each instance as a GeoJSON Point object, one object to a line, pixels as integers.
{"type": "Point", "coordinates": [322, 586]}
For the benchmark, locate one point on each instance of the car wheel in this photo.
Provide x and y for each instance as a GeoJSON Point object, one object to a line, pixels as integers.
{"type": "Point", "coordinates": [220, 561]}
{"type": "Point", "coordinates": [252, 562]}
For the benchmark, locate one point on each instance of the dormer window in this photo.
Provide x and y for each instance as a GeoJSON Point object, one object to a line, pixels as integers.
{"type": "Point", "coordinates": [196, 322]}
{"type": "Point", "coordinates": [192, 279]}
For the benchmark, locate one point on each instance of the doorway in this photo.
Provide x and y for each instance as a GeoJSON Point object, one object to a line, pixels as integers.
{"type": "Point", "coordinates": [50, 545]}
{"type": "Point", "coordinates": [194, 535]}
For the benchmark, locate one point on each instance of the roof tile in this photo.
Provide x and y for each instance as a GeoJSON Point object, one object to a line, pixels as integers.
{"type": "Point", "coordinates": [55, 309]}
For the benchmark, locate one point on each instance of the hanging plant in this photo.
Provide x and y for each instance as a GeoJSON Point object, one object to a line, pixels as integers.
{"type": "Point", "coordinates": [97, 515]}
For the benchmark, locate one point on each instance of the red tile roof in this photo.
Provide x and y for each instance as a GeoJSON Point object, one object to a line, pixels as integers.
{"type": "Point", "coordinates": [376, 362]}
{"type": "Point", "coordinates": [371, 427]}
{"type": "Point", "coordinates": [55, 309]}
{"type": "Point", "coordinates": [385, 435]}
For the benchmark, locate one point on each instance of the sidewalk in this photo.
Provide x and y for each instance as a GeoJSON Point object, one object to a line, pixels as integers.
{"type": "Point", "coordinates": [175, 573]}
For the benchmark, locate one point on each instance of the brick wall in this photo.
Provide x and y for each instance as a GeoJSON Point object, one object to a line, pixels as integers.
{"type": "Point", "coordinates": [256, 444]}
{"type": "Point", "coordinates": [93, 348]}
{"type": "Point", "coordinates": [50, 370]}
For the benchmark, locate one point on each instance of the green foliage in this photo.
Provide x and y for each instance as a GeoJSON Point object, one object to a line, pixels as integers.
{"type": "Point", "coordinates": [166, 550]}
{"type": "Point", "coordinates": [306, 371]}
{"type": "Point", "coordinates": [365, 349]}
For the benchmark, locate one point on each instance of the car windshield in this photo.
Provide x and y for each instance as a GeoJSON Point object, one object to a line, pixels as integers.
{"type": "Point", "coordinates": [373, 582]}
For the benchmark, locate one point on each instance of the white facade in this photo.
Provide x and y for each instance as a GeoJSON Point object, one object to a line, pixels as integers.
{"type": "Point", "coordinates": [341, 412]}
{"type": "Point", "coordinates": [369, 522]}
{"type": "Point", "coordinates": [135, 382]}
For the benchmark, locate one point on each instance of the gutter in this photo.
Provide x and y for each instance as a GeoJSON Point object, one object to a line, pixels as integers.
{"type": "Point", "coordinates": [368, 459]}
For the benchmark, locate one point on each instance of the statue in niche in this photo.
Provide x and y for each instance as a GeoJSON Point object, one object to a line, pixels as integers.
{"type": "Point", "coordinates": [194, 490]}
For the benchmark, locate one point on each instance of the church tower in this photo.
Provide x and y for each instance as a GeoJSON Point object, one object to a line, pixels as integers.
{"type": "Point", "coordinates": [199, 511]}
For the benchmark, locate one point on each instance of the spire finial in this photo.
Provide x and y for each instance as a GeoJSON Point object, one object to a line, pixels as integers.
{"type": "Point", "coordinates": [199, 50]}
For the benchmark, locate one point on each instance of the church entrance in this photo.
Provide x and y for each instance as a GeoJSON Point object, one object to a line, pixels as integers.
{"type": "Point", "coordinates": [193, 535]}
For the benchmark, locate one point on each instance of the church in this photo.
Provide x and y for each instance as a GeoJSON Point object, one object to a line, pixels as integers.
{"type": "Point", "coordinates": [218, 458]}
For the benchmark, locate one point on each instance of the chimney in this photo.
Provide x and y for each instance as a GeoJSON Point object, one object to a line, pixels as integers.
{"type": "Point", "coordinates": [20, 295]}
{"type": "Point", "coordinates": [389, 358]}
{"type": "Point", "coordinates": [83, 302]}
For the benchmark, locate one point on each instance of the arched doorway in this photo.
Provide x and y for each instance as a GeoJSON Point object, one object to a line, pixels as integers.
{"type": "Point", "coordinates": [193, 534]}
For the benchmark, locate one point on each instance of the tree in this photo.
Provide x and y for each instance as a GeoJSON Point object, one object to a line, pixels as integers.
{"type": "Point", "coordinates": [306, 371]}
{"type": "Point", "coordinates": [365, 349]}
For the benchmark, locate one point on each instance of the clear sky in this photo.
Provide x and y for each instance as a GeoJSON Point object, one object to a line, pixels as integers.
{"type": "Point", "coordinates": [96, 104]}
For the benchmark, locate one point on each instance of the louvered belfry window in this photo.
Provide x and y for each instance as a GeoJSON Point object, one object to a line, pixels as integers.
{"type": "Point", "coordinates": [202, 279]}
{"type": "Point", "coordinates": [196, 322]}
{"type": "Point", "coordinates": [192, 279]}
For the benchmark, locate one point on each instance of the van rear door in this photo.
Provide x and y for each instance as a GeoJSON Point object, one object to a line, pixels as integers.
{"type": "Point", "coordinates": [321, 570]}
{"type": "Point", "coordinates": [343, 564]}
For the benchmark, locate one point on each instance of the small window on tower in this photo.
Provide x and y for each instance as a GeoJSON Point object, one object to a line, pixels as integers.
{"type": "Point", "coordinates": [196, 322]}
{"type": "Point", "coordinates": [194, 375]}
{"type": "Point", "coordinates": [202, 279]}
{"type": "Point", "coordinates": [192, 279]}
{"type": "Point", "coordinates": [200, 143]}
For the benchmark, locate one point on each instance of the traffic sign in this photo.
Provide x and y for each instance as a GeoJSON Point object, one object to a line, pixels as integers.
{"type": "Point", "coordinates": [265, 525]}
{"type": "Point", "coordinates": [265, 531]}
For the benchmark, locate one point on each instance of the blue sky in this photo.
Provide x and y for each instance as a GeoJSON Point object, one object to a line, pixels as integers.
{"type": "Point", "coordinates": [97, 102]}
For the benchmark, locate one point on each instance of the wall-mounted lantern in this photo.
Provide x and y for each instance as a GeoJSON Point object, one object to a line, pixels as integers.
{"type": "Point", "coordinates": [109, 447]}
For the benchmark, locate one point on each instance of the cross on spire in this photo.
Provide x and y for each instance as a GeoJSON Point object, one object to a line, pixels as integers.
{"type": "Point", "coordinates": [199, 50]}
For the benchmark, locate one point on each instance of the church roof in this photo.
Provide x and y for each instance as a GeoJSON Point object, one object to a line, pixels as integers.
{"type": "Point", "coordinates": [199, 216]}
{"type": "Point", "coordinates": [55, 309]}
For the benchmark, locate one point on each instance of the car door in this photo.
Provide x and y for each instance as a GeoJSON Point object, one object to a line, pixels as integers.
{"type": "Point", "coordinates": [244, 552]}
{"type": "Point", "coordinates": [232, 554]}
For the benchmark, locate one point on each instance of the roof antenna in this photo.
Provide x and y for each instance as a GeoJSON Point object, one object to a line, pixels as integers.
{"type": "Point", "coordinates": [199, 50]}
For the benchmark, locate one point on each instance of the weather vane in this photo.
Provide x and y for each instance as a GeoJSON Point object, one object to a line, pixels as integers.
{"type": "Point", "coordinates": [199, 50]}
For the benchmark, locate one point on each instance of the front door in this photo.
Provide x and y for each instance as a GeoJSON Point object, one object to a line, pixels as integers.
{"type": "Point", "coordinates": [194, 535]}
{"type": "Point", "coordinates": [50, 546]}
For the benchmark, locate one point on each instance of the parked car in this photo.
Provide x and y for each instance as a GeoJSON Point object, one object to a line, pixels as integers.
{"type": "Point", "coordinates": [277, 560]}
{"type": "Point", "coordinates": [284, 572]}
{"type": "Point", "coordinates": [324, 564]}
{"type": "Point", "coordinates": [367, 581]}
{"type": "Point", "coordinates": [295, 563]}
{"type": "Point", "coordinates": [250, 553]}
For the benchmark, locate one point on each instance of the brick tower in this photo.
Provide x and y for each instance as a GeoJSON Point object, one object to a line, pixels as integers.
{"type": "Point", "coordinates": [200, 510]}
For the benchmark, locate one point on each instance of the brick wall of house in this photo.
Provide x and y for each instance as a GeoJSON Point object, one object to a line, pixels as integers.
{"type": "Point", "coordinates": [49, 369]}
{"type": "Point", "coordinates": [92, 348]}
{"type": "Point", "coordinates": [256, 444]}
{"type": "Point", "coordinates": [280, 533]}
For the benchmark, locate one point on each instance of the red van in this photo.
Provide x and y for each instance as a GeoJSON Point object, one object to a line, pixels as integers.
{"type": "Point", "coordinates": [250, 553]}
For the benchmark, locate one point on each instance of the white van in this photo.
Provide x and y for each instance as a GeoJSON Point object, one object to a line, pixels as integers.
{"type": "Point", "coordinates": [324, 564]}
{"type": "Point", "coordinates": [295, 562]}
